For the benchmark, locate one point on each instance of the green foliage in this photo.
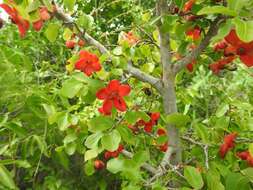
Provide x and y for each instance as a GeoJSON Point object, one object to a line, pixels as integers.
{"type": "Point", "coordinates": [51, 131]}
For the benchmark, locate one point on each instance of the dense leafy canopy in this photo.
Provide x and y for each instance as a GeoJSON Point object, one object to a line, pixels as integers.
{"type": "Point", "coordinates": [83, 93]}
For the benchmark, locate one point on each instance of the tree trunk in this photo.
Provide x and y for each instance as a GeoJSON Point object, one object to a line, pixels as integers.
{"type": "Point", "coordinates": [170, 107]}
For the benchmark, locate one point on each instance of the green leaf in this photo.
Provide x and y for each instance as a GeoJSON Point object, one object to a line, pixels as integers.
{"type": "Point", "coordinates": [178, 119]}
{"type": "Point", "coordinates": [202, 132]}
{"type": "Point", "coordinates": [141, 157]}
{"type": "Point", "coordinates": [17, 128]}
{"type": "Point", "coordinates": [85, 21]}
{"type": "Point", "coordinates": [89, 154]}
{"type": "Point", "coordinates": [126, 134]}
{"type": "Point", "coordinates": [213, 181]}
{"type": "Point", "coordinates": [248, 172]}
{"type": "Point", "coordinates": [117, 50]}
{"type": "Point", "coordinates": [70, 148]}
{"type": "Point", "coordinates": [69, 4]}
{"type": "Point", "coordinates": [235, 181]}
{"type": "Point", "coordinates": [67, 34]}
{"type": "Point", "coordinates": [251, 148]}
{"type": "Point", "coordinates": [224, 29]}
{"type": "Point", "coordinates": [19, 163]}
{"type": "Point", "coordinates": [115, 165]}
{"type": "Point", "coordinates": [51, 32]}
{"type": "Point", "coordinates": [51, 113]}
{"type": "Point", "coordinates": [244, 29]}
{"type": "Point", "coordinates": [70, 138]}
{"type": "Point", "coordinates": [92, 140]}
{"type": "Point", "coordinates": [6, 179]}
{"type": "Point", "coordinates": [111, 141]}
{"type": "Point", "coordinates": [237, 5]}
{"type": "Point", "coordinates": [70, 88]}
{"type": "Point", "coordinates": [222, 109]}
{"type": "Point", "coordinates": [89, 168]}
{"type": "Point", "coordinates": [63, 121]}
{"type": "Point", "coordinates": [217, 10]}
{"type": "Point", "coordinates": [100, 123]}
{"type": "Point", "coordinates": [193, 177]}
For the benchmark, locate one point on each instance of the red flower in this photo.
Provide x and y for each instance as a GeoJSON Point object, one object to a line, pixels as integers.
{"type": "Point", "coordinates": [23, 25]}
{"type": "Point", "coordinates": [164, 147]}
{"type": "Point", "coordinates": [155, 116]}
{"type": "Point", "coordinates": [188, 5]}
{"type": "Point", "coordinates": [220, 45]}
{"type": "Point", "coordinates": [242, 49]}
{"type": "Point", "coordinates": [44, 14]}
{"type": "Point", "coordinates": [38, 25]}
{"type": "Point", "coordinates": [81, 43]}
{"type": "Point", "coordinates": [113, 154]}
{"type": "Point", "coordinates": [87, 63]}
{"type": "Point", "coordinates": [113, 96]}
{"type": "Point", "coordinates": [220, 64]}
{"type": "Point", "coordinates": [194, 33]}
{"type": "Point", "coordinates": [134, 128]}
{"type": "Point", "coordinates": [70, 44]}
{"type": "Point", "coordinates": [228, 144]}
{"type": "Point", "coordinates": [161, 132]}
{"type": "Point", "coordinates": [245, 155]}
{"type": "Point", "coordinates": [99, 164]}
{"type": "Point", "coordinates": [148, 126]}
{"type": "Point", "coordinates": [190, 66]}
{"type": "Point", "coordinates": [130, 38]}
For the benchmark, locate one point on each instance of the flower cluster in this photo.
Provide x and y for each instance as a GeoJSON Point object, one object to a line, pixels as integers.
{"type": "Point", "coordinates": [87, 63]}
{"type": "Point", "coordinates": [70, 44]}
{"type": "Point", "coordinates": [113, 154]}
{"type": "Point", "coordinates": [148, 126]}
{"type": "Point", "coordinates": [22, 24]}
{"type": "Point", "coordinates": [228, 144]}
{"type": "Point", "coordinates": [232, 48]}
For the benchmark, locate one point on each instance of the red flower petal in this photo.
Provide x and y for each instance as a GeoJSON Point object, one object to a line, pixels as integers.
{"type": "Point", "coordinates": [161, 132]}
{"type": "Point", "coordinates": [96, 66]}
{"type": "Point", "coordinates": [155, 116]}
{"type": "Point", "coordinates": [102, 94]}
{"type": "Point", "coordinates": [120, 104]}
{"type": "Point", "coordinates": [243, 155]}
{"type": "Point", "coordinates": [107, 107]}
{"type": "Point", "coordinates": [8, 9]}
{"type": "Point", "coordinates": [247, 60]}
{"type": "Point", "coordinates": [229, 139]}
{"type": "Point", "coordinates": [232, 38]}
{"type": "Point", "coordinates": [148, 127]}
{"type": "Point", "coordinates": [189, 67]}
{"type": "Point", "coordinates": [38, 25]}
{"type": "Point", "coordinates": [113, 85]}
{"type": "Point", "coordinates": [223, 150]}
{"type": "Point", "coordinates": [83, 54]}
{"type": "Point", "coordinates": [124, 90]}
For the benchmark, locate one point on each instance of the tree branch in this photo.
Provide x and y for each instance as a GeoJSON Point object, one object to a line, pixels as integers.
{"type": "Point", "coordinates": [145, 166]}
{"type": "Point", "coordinates": [135, 72]}
{"type": "Point", "coordinates": [213, 29]}
{"type": "Point", "coordinates": [142, 76]}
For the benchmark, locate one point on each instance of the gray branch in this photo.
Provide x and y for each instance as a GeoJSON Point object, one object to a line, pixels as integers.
{"type": "Point", "coordinates": [145, 166]}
